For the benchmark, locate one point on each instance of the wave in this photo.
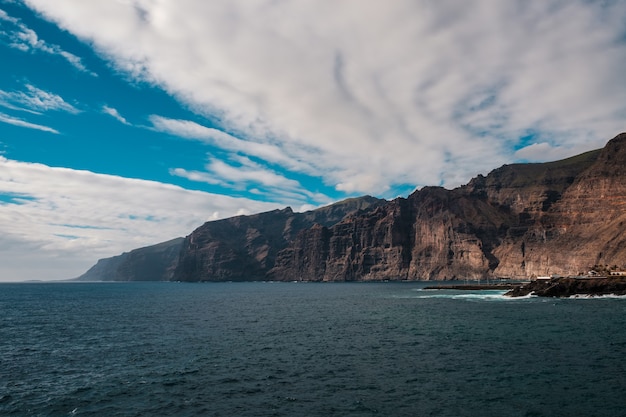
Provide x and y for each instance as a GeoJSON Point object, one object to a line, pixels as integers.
{"type": "Point", "coordinates": [481, 295]}
{"type": "Point", "coordinates": [498, 295]}
{"type": "Point", "coordinates": [597, 297]}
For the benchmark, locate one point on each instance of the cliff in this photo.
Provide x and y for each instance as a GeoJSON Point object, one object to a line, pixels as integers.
{"type": "Point", "coordinates": [434, 234]}
{"type": "Point", "coordinates": [582, 228]}
{"type": "Point", "coordinates": [520, 220]}
{"type": "Point", "coordinates": [152, 263]}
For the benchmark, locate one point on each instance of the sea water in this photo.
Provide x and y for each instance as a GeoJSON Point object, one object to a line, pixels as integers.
{"type": "Point", "coordinates": [294, 349]}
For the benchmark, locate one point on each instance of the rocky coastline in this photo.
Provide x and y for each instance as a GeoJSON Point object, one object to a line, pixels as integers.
{"type": "Point", "coordinates": [569, 287]}
{"type": "Point", "coordinates": [519, 221]}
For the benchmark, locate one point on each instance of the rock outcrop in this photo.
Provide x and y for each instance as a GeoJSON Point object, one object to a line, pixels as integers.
{"type": "Point", "coordinates": [568, 287]}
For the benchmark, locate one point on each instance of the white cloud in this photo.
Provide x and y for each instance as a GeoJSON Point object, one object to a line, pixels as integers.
{"type": "Point", "coordinates": [241, 173]}
{"type": "Point", "coordinates": [35, 100]}
{"type": "Point", "coordinates": [368, 94]}
{"type": "Point", "coordinates": [115, 114]}
{"type": "Point", "coordinates": [25, 39]}
{"type": "Point", "coordinates": [267, 151]}
{"type": "Point", "coordinates": [545, 152]}
{"type": "Point", "coordinates": [4, 118]}
{"type": "Point", "coordinates": [4, 16]}
{"type": "Point", "coordinates": [64, 220]}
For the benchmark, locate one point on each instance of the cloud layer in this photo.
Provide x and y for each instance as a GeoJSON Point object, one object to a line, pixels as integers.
{"type": "Point", "coordinates": [369, 95]}
{"type": "Point", "coordinates": [67, 219]}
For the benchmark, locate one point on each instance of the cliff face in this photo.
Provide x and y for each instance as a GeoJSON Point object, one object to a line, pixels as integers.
{"type": "Point", "coordinates": [434, 234]}
{"type": "Point", "coordinates": [585, 227]}
{"type": "Point", "coordinates": [152, 263]}
{"type": "Point", "coordinates": [245, 248]}
{"type": "Point", "coordinates": [354, 249]}
{"type": "Point", "coordinates": [521, 220]}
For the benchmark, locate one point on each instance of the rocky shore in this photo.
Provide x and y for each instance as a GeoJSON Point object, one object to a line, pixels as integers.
{"type": "Point", "coordinates": [567, 287]}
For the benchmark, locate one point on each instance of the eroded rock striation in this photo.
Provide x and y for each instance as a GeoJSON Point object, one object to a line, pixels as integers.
{"type": "Point", "coordinates": [520, 220]}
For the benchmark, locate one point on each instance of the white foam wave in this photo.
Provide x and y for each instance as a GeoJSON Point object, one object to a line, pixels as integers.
{"type": "Point", "coordinates": [597, 297]}
{"type": "Point", "coordinates": [482, 295]}
{"type": "Point", "coordinates": [498, 295]}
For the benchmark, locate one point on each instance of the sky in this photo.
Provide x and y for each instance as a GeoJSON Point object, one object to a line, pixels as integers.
{"type": "Point", "coordinates": [125, 123]}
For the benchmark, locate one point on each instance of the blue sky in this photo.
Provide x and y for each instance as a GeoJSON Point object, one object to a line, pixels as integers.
{"type": "Point", "coordinates": [127, 123]}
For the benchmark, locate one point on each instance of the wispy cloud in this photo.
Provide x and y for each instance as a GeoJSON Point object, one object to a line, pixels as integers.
{"type": "Point", "coordinates": [270, 152]}
{"type": "Point", "coordinates": [80, 216]}
{"type": "Point", "coordinates": [21, 37]}
{"type": "Point", "coordinates": [35, 100]}
{"type": "Point", "coordinates": [115, 114]}
{"type": "Point", "coordinates": [241, 173]}
{"type": "Point", "coordinates": [370, 95]}
{"type": "Point", "coordinates": [4, 118]}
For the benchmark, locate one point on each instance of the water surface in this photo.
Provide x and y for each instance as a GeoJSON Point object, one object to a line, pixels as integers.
{"type": "Point", "coordinates": [284, 349]}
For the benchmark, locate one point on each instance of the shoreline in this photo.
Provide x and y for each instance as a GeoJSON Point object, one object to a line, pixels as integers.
{"type": "Point", "coordinates": [552, 288]}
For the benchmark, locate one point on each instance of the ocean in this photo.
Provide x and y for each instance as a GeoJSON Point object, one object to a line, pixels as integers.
{"type": "Point", "coordinates": [306, 349]}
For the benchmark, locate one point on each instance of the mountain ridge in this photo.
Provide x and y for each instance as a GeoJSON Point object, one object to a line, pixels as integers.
{"type": "Point", "coordinates": [520, 220]}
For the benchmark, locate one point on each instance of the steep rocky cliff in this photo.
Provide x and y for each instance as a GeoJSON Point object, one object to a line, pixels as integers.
{"type": "Point", "coordinates": [520, 220]}
{"type": "Point", "coordinates": [152, 263]}
{"type": "Point", "coordinates": [584, 227]}
{"type": "Point", "coordinates": [238, 248]}
{"type": "Point", "coordinates": [245, 247]}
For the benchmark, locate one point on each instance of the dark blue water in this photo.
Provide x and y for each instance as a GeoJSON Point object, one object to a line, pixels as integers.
{"type": "Point", "coordinates": [263, 349]}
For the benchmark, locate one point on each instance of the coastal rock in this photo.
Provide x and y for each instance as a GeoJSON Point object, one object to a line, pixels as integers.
{"type": "Point", "coordinates": [568, 287]}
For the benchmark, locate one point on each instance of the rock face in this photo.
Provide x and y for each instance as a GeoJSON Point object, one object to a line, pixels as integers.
{"type": "Point", "coordinates": [585, 226]}
{"type": "Point", "coordinates": [434, 234]}
{"type": "Point", "coordinates": [521, 220]}
{"type": "Point", "coordinates": [245, 248]}
{"type": "Point", "coordinates": [152, 263]}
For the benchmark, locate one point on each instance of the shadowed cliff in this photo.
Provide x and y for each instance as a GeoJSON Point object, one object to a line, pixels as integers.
{"type": "Point", "coordinates": [152, 263]}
